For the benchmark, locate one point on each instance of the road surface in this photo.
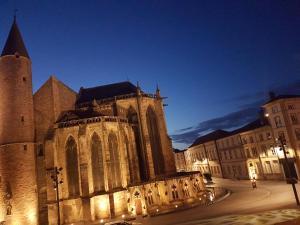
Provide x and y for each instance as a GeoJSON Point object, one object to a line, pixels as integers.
{"type": "Point", "coordinates": [270, 202]}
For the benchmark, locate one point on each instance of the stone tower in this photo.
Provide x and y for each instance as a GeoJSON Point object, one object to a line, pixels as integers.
{"type": "Point", "coordinates": [18, 197]}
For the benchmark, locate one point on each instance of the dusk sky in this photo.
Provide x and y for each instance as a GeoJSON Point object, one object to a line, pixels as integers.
{"type": "Point", "coordinates": [216, 61]}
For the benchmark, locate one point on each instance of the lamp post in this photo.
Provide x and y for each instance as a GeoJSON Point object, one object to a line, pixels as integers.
{"type": "Point", "coordinates": [290, 179]}
{"type": "Point", "coordinates": [56, 183]}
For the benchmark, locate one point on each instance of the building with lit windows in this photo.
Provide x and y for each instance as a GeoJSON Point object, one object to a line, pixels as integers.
{"type": "Point", "coordinates": [109, 143]}
{"type": "Point", "coordinates": [179, 160]}
{"type": "Point", "coordinates": [245, 153]}
{"type": "Point", "coordinates": [203, 154]}
{"type": "Point", "coordinates": [283, 114]}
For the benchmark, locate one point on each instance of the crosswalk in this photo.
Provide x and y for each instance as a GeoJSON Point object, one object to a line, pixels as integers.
{"type": "Point", "coordinates": [266, 218]}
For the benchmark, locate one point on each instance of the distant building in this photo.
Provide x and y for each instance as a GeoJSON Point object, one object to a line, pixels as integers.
{"type": "Point", "coordinates": [259, 148]}
{"type": "Point", "coordinates": [232, 157]}
{"type": "Point", "coordinates": [245, 153]}
{"type": "Point", "coordinates": [203, 154]}
{"type": "Point", "coordinates": [179, 160]}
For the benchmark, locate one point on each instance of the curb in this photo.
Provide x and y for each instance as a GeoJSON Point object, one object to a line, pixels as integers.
{"type": "Point", "coordinates": [223, 197]}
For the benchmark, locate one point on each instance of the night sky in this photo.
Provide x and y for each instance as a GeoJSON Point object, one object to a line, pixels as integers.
{"type": "Point", "coordinates": [216, 61]}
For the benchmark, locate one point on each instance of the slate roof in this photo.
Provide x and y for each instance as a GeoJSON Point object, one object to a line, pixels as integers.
{"type": "Point", "coordinates": [14, 43]}
{"type": "Point", "coordinates": [105, 91]}
{"type": "Point", "coordinates": [77, 114]}
{"type": "Point", "coordinates": [210, 137]}
{"type": "Point", "coordinates": [282, 97]}
{"type": "Point", "coordinates": [250, 126]}
{"type": "Point", "coordinates": [178, 150]}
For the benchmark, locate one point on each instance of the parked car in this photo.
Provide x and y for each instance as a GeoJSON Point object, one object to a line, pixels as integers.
{"type": "Point", "coordinates": [121, 222]}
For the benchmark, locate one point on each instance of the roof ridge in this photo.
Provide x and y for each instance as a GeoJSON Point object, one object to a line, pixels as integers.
{"type": "Point", "coordinates": [106, 85]}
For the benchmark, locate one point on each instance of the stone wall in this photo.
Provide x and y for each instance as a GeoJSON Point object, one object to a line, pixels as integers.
{"type": "Point", "coordinates": [18, 184]}
{"type": "Point", "coordinates": [16, 105]}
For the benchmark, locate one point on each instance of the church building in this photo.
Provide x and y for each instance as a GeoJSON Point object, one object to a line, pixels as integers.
{"type": "Point", "coordinates": [104, 151]}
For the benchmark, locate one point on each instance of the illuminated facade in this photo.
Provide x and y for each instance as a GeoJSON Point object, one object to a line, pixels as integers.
{"type": "Point", "coordinates": [110, 142]}
{"type": "Point", "coordinates": [203, 154]}
{"type": "Point", "coordinates": [180, 160]}
{"type": "Point", "coordinates": [245, 153]}
{"type": "Point", "coordinates": [283, 114]}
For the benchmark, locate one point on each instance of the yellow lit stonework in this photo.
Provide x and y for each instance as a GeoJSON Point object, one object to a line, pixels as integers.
{"type": "Point", "coordinates": [109, 143]}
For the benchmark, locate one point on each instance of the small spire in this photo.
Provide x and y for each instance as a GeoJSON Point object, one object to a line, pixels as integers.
{"type": "Point", "coordinates": [14, 43]}
{"type": "Point", "coordinates": [157, 87]}
{"type": "Point", "coordinates": [15, 15]}
{"type": "Point", "coordinates": [138, 88]}
{"type": "Point", "coordinates": [157, 91]}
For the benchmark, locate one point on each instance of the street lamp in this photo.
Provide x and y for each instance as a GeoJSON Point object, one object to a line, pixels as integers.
{"type": "Point", "coordinates": [56, 182]}
{"type": "Point", "coordinates": [290, 179]}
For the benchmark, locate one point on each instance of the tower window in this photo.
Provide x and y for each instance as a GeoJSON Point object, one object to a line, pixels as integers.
{"type": "Point", "coordinates": [40, 150]}
{"type": "Point", "coordinates": [24, 79]}
{"type": "Point", "coordinates": [25, 147]}
{"type": "Point", "coordinates": [22, 118]}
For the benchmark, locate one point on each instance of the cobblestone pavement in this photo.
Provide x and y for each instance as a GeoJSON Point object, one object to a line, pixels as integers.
{"type": "Point", "coordinates": [266, 218]}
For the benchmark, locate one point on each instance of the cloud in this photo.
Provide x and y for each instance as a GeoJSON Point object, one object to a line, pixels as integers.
{"type": "Point", "coordinates": [247, 112]}
{"type": "Point", "coordinates": [227, 122]}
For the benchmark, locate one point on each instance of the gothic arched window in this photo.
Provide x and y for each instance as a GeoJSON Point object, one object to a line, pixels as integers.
{"type": "Point", "coordinates": [115, 172]}
{"type": "Point", "coordinates": [72, 167]}
{"type": "Point", "coordinates": [97, 163]}
{"type": "Point", "coordinates": [130, 163]}
{"type": "Point", "coordinates": [132, 115]}
{"type": "Point", "coordinates": [157, 154]}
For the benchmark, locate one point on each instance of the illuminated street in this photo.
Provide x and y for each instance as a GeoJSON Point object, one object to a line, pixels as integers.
{"type": "Point", "coordinates": [235, 209]}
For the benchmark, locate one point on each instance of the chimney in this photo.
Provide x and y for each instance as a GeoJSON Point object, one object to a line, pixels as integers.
{"type": "Point", "coordinates": [272, 95]}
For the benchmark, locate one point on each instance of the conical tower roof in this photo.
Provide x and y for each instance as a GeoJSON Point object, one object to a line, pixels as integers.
{"type": "Point", "coordinates": [14, 43]}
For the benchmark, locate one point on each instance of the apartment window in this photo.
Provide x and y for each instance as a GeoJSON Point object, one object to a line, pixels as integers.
{"type": "Point", "coordinates": [276, 167]}
{"type": "Point", "coordinates": [248, 153]}
{"type": "Point", "coordinates": [268, 135]}
{"type": "Point", "coordinates": [294, 118]}
{"type": "Point", "coordinates": [297, 133]}
{"type": "Point", "coordinates": [261, 137]}
{"type": "Point", "coordinates": [281, 135]}
{"type": "Point", "coordinates": [277, 121]}
{"type": "Point", "coordinates": [235, 155]}
{"type": "Point", "coordinates": [273, 149]}
{"type": "Point", "coordinates": [234, 170]}
{"type": "Point", "coordinates": [225, 154]}
{"type": "Point", "coordinates": [264, 149]}
{"type": "Point", "coordinates": [40, 150]}
{"type": "Point", "coordinates": [254, 152]}
{"type": "Point", "coordinates": [230, 154]}
{"type": "Point", "coordinates": [229, 169]}
{"type": "Point", "coordinates": [244, 141]}
{"type": "Point", "coordinates": [268, 168]}
{"type": "Point", "coordinates": [291, 107]}
{"type": "Point", "coordinates": [275, 109]}
{"type": "Point", "coordinates": [174, 192]}
{"type": "Point", "coordinates": [240, 170]}
{"type": "Point", "coordinates": [251, 139]}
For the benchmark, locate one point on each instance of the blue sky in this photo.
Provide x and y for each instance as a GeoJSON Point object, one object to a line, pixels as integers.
{"type": "Point", "coordinates": [214, 60]}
